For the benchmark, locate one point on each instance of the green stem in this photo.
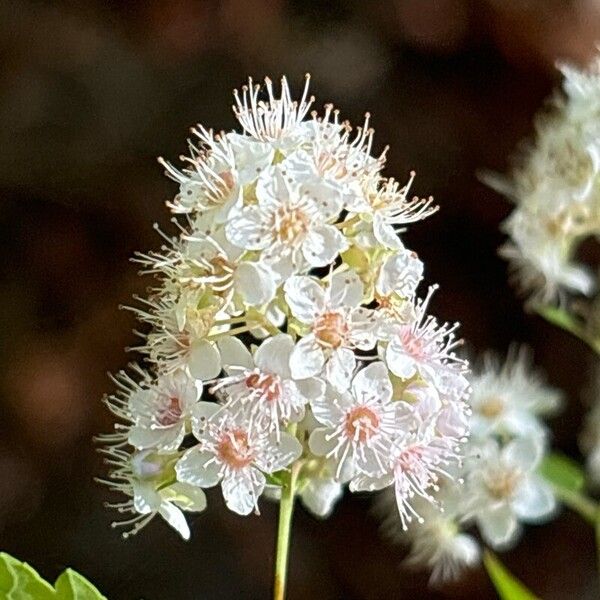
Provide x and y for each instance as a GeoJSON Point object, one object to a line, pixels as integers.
{"type": "Point", "coordinates": [286, 510]}
{"type": "Point", "coordinates": [585, 507]}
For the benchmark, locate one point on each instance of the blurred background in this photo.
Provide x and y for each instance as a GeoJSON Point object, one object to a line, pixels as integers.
{"type": "Point", "coordinates": [91, 93]}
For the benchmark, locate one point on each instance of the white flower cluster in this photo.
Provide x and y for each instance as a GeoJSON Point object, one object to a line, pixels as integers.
{"type": "Point", "coordinates": [286, 329]}
{"type": "Point", "coordinates": [557, 192]}
{"type": "Point", "coordinates": [501, 488]}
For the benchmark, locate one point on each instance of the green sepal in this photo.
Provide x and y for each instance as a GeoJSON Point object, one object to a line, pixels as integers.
{"type": "Point", "coordinates": [562, 472]}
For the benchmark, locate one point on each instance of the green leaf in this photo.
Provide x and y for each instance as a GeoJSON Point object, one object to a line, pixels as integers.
{"type": "Point", "coordinates": [507, 586]}
{"type": "Point", "coordinates": [562, 472]}
{"type": "Point", "coordinates": [72, 586]}
{"type": "Point", "coordinates": [19, 581]}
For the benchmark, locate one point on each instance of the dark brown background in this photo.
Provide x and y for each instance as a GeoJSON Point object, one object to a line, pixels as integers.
{"type": "Point", "coordinates": [91, 92]}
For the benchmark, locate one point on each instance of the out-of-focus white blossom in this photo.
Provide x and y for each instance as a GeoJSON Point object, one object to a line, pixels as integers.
{"type": "Point", "coordinates": [285, 335]}
{"type": "Point", "coordinates": [557, 194]}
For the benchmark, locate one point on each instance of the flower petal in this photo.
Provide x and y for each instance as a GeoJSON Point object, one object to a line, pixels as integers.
{"type": "Point", "coordinates": [273, 355]}
{"type": "Point", "coordinates": [241, 490]}
{"type": "Point", "coordinates": [255, 282]}
{"type": "Point", "coordinates": [234, 353]}
{"type": "Point", "coordinates": [372, 383]}
{"type": "Point", "coordinates": [345, 289]}
{"type": "Point", "coordinates": [305, 297]}
{"type": "Point", "coordinates": [322, 244]}
{"type": "Point", "coordinates": [340, 367]}
{"type": "Point", "coordinates": [307, 358]}
{"type": "Point", "coordinates": [204, 360]}
{"type": "Point", "coordinates": [534, 500]}
{"type": "Point", "coordinates": [198, 467]}
{"type": "Point", "coordinates": [175, 518]}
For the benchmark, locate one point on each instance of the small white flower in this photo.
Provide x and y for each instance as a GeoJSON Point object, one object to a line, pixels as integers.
{"type": "Point", "coordinates": [424, 347]}
{"type": "Point", "coordinates": [338, 325]}
{"type": "Point", "coordinates": [145, 479]}
{"type": "Point", "coordinates": [289, 225]}
{"type": "Point", "coordinates": [503, 489]}
{"type": "Point", "coordinates": [219, 168]}
{"type": "Point", "coordinates": [161, 412]}
{"type": "Point", "coordinates": [263, 387]}
{"type": "Point", "coordinates": [414, 465]}
{"type": "Point", "coordinates": [359, 425]}
{"type": "Point", "coordinates": [237, 456]}
{"type": "Point", "coordinates": [507, 399]}
{"type": "Point", "coordinates": [437, 544]}
{"type": "Point", "coordinates": [390, 208]}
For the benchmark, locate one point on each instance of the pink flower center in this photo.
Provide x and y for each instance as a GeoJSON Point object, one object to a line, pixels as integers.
{"type": "Point", "coordinates": [170, 412]}
{"type": "Point", "coordinates": [266, 384]}
{"type": "Point", "coordinates": [234, 449]}
{"type": "Point", "coordinates": [412, 344]}
{"type": "Point", "coordinates": [361, 424]}
{"type": "Point", "coordinates": [228, 180]}
{"type": "Point", "coordinates": [331, 329]}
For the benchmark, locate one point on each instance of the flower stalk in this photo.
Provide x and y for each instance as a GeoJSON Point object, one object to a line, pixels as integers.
{"type": "Point", "coordinates": [284, 527]}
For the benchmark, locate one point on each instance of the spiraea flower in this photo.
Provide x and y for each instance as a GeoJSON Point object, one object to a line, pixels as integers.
{"type": "Point", "coordinates": [555, 188]}
{"type": "Point", "coordinates": [286, 350]}
{"type": "Point", "coordinates": [501, 488]}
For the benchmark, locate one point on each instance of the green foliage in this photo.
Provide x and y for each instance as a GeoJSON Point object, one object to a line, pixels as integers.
{"type": "Point", "coordinates": [562, 472]}
{"type": "Point", "coordinates": [507, 586]}
{"type": "Point", "coordinates": [19, 581]}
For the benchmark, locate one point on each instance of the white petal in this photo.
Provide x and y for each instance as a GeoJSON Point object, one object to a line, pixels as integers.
{"type": "Point", "coordinates": [320, 495]}
{"type": "Point", "coordinates": [242, 489]}
{"type": "Point", "coordinates": [255, 282]}
{"type": "Point", "coordinates": [345, 289]}
{"type": "Point", "coordinates": [400, 363]}
{"type": "Point", "coordinates": [305, 297]}
{"type": "Point", "coordinates": [174, 517]}
{"type": "Point", "coordinates": [249, 229]}
{"type": "Point", "coordinates": [372, 383]}
{"type": "Point", "coordinates": [307, 358]}
{"type": "Point", "coordinates": [280, 454]}
{"type": "Point", "coordinates": [329, 408]}
{"type": "Point", "coordinates": [322, 244]}
{"type": "Point", "coordinates": [310, 389]}
{"type": "Point", "coordinates": [201, 413]}
{"type": "Point", "coordinates": [340, 367]}
{"type": "Point", "coordinates": [524, 453]}
{"type": "Point", "coordinates": [498, 526]}
{"type": "Point", "coordinates": [321, 443]}
{"type": "Point", "coordinates": [204, 360]}
{"type": "Point", "coordinates": [533, 500]}
{"type": "Point", "coordinates": [145, 498]}
{"type": "Point", "coordinates": [400, 273]}
{"type": "Point", "coordinates": [273, 355]}
{"type": "Point", "coordinates": [385, 233]}
{"type": "Point", "coordinates": [166, 440]}
{"type": "Point", "coordinates": [234, 353]}
{"type": "Point", "coordinates": [198, 467]}
{"type": "Point", "coordinates": [185, 496]}
{"type": "Point", "coordinates": [369, 483]}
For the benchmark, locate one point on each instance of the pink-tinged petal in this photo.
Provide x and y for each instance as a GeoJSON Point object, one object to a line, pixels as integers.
{"type": "Point", "coordinates": [198, 467]}
{"type": "Point", "coordinates": [273, 355]}
{"type": "Point", "coordinates": [322, 245]}
{"type": "Point", "coordinates": [204, 360]}
{"type": "Point", "coordinates": [241, 490]}
{"type": "Point", "coordinates": [307, 358]}
{"type": "Point", "coordinates": [305, 297]}
{"type": "Point", "coordinates": [249, 230]}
